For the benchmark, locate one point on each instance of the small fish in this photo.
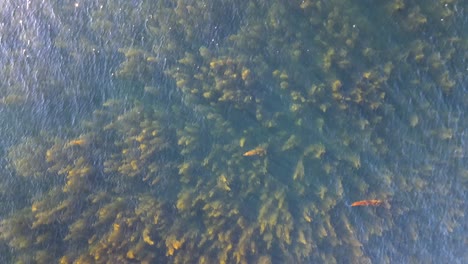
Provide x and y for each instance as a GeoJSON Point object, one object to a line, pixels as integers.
{"type": "Point", "coordinates": [259, 151]}
{"type": "Point", "coordinates": [367, 203]}
{"type": "Point", "coordinates": [81, 142]}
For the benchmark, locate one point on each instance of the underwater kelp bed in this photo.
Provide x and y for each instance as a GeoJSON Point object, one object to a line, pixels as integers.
{"type": "Point", "coordinates": [234, 132]}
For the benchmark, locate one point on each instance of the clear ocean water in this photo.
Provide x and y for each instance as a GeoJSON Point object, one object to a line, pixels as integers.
{"type": "Point", "coordinates": [233, 131]}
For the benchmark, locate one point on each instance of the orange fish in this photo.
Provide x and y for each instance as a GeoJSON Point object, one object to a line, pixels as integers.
{"type": "Point", "coordinates": [255, 152]}
{"type": "Point", "coordinates": [81, 141]}
{"type": "Point", "coordinates": [367, 203]}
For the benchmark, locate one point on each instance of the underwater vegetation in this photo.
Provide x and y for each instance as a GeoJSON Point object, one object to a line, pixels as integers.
{"type": "Point", "coordinates": [234, 132]}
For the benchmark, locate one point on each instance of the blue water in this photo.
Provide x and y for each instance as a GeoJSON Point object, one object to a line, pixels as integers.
{"type": "Point", "coordinates": [124, 124]}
